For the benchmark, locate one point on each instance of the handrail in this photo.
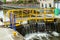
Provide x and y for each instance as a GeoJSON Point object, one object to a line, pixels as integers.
{"type": "Point", "coordinates": [36, 15]}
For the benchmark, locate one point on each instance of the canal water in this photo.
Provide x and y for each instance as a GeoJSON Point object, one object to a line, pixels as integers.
{"type": "Point", "coordinates": [30, 33]}
{"type": "Point", "coordinates": [41, 36]}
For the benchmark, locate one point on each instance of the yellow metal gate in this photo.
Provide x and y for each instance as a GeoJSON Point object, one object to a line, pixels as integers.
{"type": "Point", "coordinates": [24, 14]}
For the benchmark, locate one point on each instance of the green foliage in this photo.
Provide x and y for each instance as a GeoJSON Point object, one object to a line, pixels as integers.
{"type": "Point", "coordinates": [4, 1]}
{"type": "Point", "coordinates": [26, 2]}
{"type": "Point", "coordinates": [19, 2]}
{"type": "Point", "coordinates": [14, 2]}
{"type": "Point", "coordinates": [56, 11]}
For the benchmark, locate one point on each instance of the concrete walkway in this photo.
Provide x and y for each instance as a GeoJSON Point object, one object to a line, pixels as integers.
{"type": "Point", "coordinates": [7, 34]}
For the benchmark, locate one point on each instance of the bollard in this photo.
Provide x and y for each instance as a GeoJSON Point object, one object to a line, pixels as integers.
{"type": "Point", "coordinates": [14, 34]}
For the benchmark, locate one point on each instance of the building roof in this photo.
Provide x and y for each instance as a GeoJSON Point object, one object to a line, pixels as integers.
{"type": "Point", "coordinates": [20, 6]}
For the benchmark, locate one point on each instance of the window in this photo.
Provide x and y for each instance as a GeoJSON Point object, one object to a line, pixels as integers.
{"type": "Point", "coordinates": [49, 5]}
{"type": "Point", "coordinates": [42, 5]}
{"type": "Point", "coordinates": [45, 5]}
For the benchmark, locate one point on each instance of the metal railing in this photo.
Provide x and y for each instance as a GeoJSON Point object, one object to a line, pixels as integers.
{"type": "Point", "coordinates": [25, 14]}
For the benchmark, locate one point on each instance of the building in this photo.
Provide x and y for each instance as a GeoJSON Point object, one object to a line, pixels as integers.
{"type": "Point", "coordinates": [46, 3]}
{"type": "Point", "coordinates": [57, 4]}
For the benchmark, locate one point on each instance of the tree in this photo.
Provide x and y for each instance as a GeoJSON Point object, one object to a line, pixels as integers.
{"type": "Point", "coordinates": [4, 1]}
{"type": "Point", "coordinates": [56, 11]}
{"type": "Point", "coordinates": [55, 0]}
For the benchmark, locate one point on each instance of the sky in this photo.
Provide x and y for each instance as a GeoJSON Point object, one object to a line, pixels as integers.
{"type": "Point", "coordinates": [6, 0]}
